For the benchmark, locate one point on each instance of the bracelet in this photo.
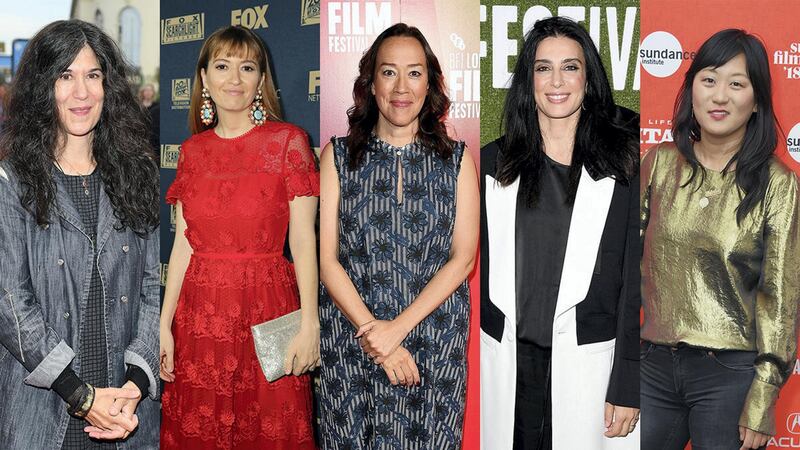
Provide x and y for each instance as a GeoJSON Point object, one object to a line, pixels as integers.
{"type": "Point", "coordinates": [81, 408]}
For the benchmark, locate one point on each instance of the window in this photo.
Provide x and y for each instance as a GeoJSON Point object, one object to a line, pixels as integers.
{"type": "Point", "coordinates": [98, 18]}
{"type": "Point", "coordinates": [130, 31]}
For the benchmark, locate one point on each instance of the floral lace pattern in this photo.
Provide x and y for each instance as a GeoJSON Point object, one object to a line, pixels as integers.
{"type": "Point", "coordinates": [235, 195]}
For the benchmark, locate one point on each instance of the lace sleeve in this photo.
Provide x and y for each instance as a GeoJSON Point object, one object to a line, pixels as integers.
{"type": "Point", "coordinates": [300, 171]}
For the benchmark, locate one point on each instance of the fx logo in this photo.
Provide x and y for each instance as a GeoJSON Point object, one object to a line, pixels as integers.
{"type": "Point", "coordinates": [793, 423]}
{"type": "Point", "coordinates": [250, 17]}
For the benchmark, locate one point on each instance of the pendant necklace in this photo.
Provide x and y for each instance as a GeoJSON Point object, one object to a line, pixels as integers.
{"type": "Point", "coordinates": [709, 195]}
{"type": "Point", "coordinates": [84, 180]}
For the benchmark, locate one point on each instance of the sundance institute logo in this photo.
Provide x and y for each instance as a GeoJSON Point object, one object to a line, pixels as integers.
{"type": "Point", "coordinates": [661, 54]}
{"type": "Point", "coordinates": [183, 29]}
{"type": "Point", "coordinates": [169, 156]}
{"type": "Point", "coordinates": [310, 12]}
{"type": "Point", "coordinates": [181, 93]}
{"type": "Point", "coordinates": [793, 142]}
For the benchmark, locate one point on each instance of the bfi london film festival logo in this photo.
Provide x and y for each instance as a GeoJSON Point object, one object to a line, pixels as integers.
{"type": "Point", "coordinates": [788, 60]}
{"type": "Point", "coordinates": [169, 156]}
{"type": "Point", "coordinates": [661, 54]}
{"type": "Point", "coordinates": [313, 86]}
{"type": "Point", "coordinates": [793, 142]}
{"type": "Point", "coordinates": [507, 20]}
{"type": "Point", "coordinates": [183, 28]}
{"type": "Point", "coordinates": [463, 73]}
{"type": "Point", "coordinates": [310, 12]}
{"type": "Point", "coordinates": [353, 26]}
{"type": "Point", "coordinates": [252, 18]}
{"type": "Point", "coordinates": [181, 93]}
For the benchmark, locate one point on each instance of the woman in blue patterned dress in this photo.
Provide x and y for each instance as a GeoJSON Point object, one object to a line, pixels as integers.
{"type": "Point", "coordinates": [398, 236]}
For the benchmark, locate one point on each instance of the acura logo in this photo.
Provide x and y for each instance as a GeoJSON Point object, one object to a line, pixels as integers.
{"type": "Point", "coordinates": [793, 423]}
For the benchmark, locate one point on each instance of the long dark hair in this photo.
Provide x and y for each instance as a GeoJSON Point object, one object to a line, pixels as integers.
{"type": "Point", "coordinates": [604, 144]}
{"type": "Point", "coordinates": [761, 133]}
{"type": "Point", "coordinates": [120, 145]}
{"type": "Point", "coordinates": [363, 115]}
{"type": "Point", "coordinates": [240, 41]}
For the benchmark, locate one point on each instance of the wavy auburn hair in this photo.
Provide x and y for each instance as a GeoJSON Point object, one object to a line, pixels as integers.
{"type": "Point", "coordinates": [233, 41]}
{"type": "Point", "coordinates": [120, 141]}
{"type": "Point", "coordinates": [363, 115]}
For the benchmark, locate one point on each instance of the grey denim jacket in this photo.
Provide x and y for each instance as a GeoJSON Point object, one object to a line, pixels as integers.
{"type": "Point", "coordinates": [44, 286]}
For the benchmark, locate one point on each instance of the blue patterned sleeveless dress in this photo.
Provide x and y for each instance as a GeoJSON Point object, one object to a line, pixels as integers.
{"type": "Point", "coordinates": [391, 250]}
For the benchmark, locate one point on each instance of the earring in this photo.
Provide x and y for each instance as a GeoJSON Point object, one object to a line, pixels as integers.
{"type": "Point", "coordinates": [207, 109]}
{"type": "Point", "coordinates": [257, 114]}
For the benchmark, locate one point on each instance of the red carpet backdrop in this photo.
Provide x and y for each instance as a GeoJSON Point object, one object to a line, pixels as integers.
{"type": "Point", "coordinates": [347, 29]}
{"type": "Point", "coordinates": [671, 32]}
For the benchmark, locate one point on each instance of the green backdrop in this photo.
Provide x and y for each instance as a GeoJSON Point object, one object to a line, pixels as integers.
{"type": "Point", "coordinates": [625, 93]}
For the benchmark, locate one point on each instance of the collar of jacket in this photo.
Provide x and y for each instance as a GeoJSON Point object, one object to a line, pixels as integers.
{"type": "Point", "coordinates": [65, 208]}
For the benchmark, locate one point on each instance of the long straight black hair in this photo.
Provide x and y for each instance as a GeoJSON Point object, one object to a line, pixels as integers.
{"type": "Point", "coordinates": [761, 134]}
{"type": "Point", "coordinates": [120, 142]}
{"type": "Point", "coordinates": [605, 144]}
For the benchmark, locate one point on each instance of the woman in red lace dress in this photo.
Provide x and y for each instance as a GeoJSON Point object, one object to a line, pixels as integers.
{"type": "Point", "coordinates": [243, 178]}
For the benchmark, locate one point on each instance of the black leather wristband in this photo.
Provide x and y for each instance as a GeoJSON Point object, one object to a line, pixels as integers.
{"type": "Point", "coordinates": [139, 378]}
{"type": "Point", "coordinates": [66, 384]}
{"type": "Point", "coordinates": [84, 399]}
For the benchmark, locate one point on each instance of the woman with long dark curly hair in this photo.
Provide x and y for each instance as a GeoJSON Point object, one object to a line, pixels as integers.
{"type": "Point", "coordinates": [560, 255]}
{"type": "Point", "coordinates": [721, 227]}
{"type": "Point", "coordinates": [227, 269]}
{"type": "Point", "coordinates": [398, 235]}
{"type": "Point", "coordinates": [78, 250]}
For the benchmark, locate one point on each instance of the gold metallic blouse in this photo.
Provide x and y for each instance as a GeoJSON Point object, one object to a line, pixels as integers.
{"type": "Point", "coordinates": [710, 282]}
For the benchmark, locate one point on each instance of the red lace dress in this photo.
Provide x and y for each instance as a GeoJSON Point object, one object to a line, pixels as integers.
{"type": "Point", "coordinates": [235, 195]}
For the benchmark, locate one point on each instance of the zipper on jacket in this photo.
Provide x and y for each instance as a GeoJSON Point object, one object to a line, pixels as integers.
{"type": "Point", "coordinates": [16, 319]}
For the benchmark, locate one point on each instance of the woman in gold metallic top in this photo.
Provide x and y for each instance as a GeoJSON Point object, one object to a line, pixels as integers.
{"type": "Point", "coordinates": [721, 239]}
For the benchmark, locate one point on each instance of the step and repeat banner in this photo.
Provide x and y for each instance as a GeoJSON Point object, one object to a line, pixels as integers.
{"type": "Point", "coordinates": [290, 30]}
{"type": "Point", "coordinates": [672, 32]}
{"type": "Point", "coordinates": [612, 24]}
{"type": "Point", "coordinates": [347, 30]}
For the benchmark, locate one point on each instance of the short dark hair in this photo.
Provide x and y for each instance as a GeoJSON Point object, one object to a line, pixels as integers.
{"type": "Point", "coordinates": [363, 115]}
{"type": "Point", "coordinates": [761, 134]}
{"type": "Point", "coordinates": [120, 145]}
{"type": "Point", "coordinates": [604, 143]}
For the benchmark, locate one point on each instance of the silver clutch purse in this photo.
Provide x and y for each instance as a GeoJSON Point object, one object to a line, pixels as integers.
{"type": "Point", "coordinates": [272, 340]}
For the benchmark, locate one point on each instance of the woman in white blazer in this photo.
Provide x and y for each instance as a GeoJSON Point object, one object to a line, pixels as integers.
{"type": "Point", "coordinates": [560, 255]}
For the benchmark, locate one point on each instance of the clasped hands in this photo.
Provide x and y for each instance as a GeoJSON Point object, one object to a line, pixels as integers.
{"type": "Point", "coordinates": [380, 340]}
{"type": "Point", "coordinates": [112, 415]}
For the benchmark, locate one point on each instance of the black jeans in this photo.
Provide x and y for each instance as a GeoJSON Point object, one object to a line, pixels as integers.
{"type": "Point", "coordinates": [532, 411]}
{"type": "Point", "coordinates": [692, 393]}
